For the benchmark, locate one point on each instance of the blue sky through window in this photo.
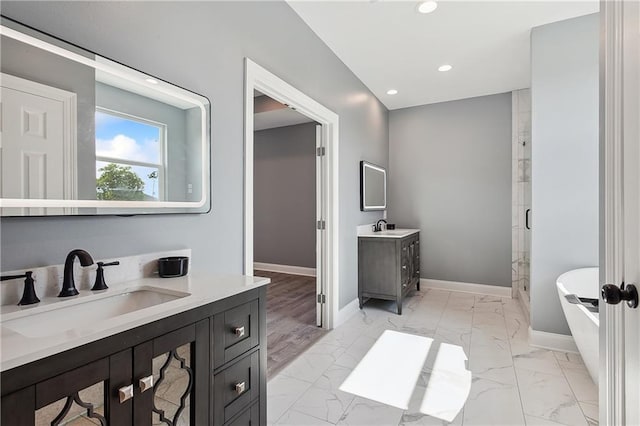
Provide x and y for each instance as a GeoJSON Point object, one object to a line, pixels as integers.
{"type": "Point", "coordinates": [126, 139]}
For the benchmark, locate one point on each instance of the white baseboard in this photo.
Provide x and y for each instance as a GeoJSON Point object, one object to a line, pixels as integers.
{"type": "Point", "coordinates": [552, 341]}
{"type": "Point", "coordinates": [490, 290]}
{"type": "Point", "coordinates": [285, 269]}
{"type": "Point", "coordinates": [347, 312]}
{"type": "Point", "coordinates": [524, 303]}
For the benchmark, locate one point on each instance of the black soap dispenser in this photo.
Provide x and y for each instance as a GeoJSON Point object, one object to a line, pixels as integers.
{"type": "Point", "coordinates": [100, 284]}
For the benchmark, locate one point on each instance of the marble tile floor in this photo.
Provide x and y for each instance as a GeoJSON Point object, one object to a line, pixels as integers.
{"type": "Point", "coordinates": [511, 382]}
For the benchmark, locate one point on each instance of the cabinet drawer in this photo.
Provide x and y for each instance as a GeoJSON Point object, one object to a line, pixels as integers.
{"type": "Point", "coordinates": [236, 331]}
{"type": "Point", "coordinates": [250, 417]}
{"type": "Point", "coordinates": [235, 388]}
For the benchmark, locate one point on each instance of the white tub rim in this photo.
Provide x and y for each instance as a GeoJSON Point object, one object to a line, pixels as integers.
{"type": "Point", "coordinates": [593, 316]}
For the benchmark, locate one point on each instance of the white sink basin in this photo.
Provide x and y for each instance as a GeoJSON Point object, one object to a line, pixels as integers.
{"type": "Point", "coordinates": [394, 232]}
{"type": "Point", "coordinates": [84, 312]}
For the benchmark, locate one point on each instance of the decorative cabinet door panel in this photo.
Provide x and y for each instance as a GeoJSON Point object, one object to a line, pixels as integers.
{"type": "Point", "coordinates": [166, 387]}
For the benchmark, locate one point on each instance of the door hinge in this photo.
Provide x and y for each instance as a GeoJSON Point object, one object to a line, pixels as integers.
{"type": "Point", "coordinates": [321, 225]}
{"type": "Point", "coordinates": [322, 298]}
{"type": "Point", "coordinates": [321, 151]}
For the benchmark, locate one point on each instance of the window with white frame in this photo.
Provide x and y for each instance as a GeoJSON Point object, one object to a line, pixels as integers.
{"type": "Point", "coordinates": [130, 157]}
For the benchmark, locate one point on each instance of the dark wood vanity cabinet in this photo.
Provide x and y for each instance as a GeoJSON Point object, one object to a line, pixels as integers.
{"type": "Point", "coordinates": [388, 268]}
{"type": "Point", "coordinates": [206, 366]}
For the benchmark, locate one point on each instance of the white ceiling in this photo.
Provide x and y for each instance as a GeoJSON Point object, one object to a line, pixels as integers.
{"type": "Point", "coordinates": [278, 118]}
{"type": "Point", "coordinates": [388, 45]}
{"type": "Point", "coordinates": [269, 113]}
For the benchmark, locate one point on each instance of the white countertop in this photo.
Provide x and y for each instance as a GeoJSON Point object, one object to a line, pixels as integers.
{"type": "Point", "coordinates": [17, 349]}
{"type": "Point", "coordinates": [392, 233]}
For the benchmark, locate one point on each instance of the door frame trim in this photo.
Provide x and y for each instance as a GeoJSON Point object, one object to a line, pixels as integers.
{"type": "Point", "coordinates": [259, 78]}
{"type": "Point", "coordinates": [612, 385]}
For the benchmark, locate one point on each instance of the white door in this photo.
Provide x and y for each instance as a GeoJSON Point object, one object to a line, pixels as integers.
{"type": "Point", "coordinates": [620, 323]}
{"type": "Point", "coordinates": [35, 141]}
{"type": "Point", "coordinates": [320, 229]}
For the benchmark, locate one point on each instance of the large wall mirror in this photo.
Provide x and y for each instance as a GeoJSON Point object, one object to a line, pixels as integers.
{"type": "Point", "coordinates": [84, 135]}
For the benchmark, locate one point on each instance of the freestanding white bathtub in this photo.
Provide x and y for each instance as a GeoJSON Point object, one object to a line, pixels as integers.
{"type": "Point", "coordinates": [584, 324]}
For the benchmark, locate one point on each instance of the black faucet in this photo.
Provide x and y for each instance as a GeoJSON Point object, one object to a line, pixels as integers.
{"type": "Point", "coordinates": [378, 226]}
{"type": "Point", "coordinates": [68, 283]}
{"type": "Point", "coordinates": [29, 293]}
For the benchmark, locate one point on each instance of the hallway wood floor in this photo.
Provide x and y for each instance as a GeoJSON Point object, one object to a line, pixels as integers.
{"type": "Point", "coordinates": [291, 318]}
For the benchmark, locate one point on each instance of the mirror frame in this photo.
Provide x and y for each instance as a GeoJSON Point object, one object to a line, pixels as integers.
{"type": "Point", "coordinates": [103, 63]}
{"type": "Point", "coordinates": [363, 206]}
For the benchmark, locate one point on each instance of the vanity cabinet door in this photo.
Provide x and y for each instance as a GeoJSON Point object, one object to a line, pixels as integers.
{"type": "Point", "coordinates": [416, 261]}
{"type": "Point", "coordinates": [171, 378]}
{"type": "Point", "coordinates": [405, 268]}
{"type": "Point", "coordinates": [85, 395]}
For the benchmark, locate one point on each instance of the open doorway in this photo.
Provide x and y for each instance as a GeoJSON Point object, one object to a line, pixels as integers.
{"type": "Point", "coordinates": [287, 191]}
{"type": "Point", "coordinates": [259, 81]}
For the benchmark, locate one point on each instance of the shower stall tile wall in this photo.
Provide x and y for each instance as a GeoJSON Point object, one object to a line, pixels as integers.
{"type": "Point", "coordinates": [521, 193]}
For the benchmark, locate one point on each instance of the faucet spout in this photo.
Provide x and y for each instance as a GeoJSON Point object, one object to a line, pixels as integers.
{"type": "Point", "coordinates": [68, 283]}
{"type": "Point", "coordinates": [378, 225]}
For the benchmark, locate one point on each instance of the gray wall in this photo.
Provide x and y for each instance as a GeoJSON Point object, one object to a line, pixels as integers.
{"type": "Point", "coordinates": [450, 176]}
{"type": "Point", "coordinates": [203, 49]}
{"type": "Point", "coordinates": [285, 196]}
{"type": "Point", "coordinates": [564, 96]}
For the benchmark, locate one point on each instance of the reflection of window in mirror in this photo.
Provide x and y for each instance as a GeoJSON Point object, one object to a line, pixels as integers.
{"type": "Point", "coordinates": [130, 160]}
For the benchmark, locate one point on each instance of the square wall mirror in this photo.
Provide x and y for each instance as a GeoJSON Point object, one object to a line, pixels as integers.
{"type": "Point", "coordinates": [373, 187]}
{"type": "Point", "coordinates": [85, 135]}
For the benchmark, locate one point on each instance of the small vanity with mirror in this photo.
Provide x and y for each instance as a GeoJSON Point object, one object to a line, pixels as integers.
{"type": "Point", "coordinates": [388, 259]}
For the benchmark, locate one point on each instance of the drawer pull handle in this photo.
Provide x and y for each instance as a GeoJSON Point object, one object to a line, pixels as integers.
{"type": "Point", "coordinates": [404, 266]}
{"type": "Point", "coordinates": [239, 331]}
{"type": "Point", "coordinates": [125, 393]}
{"type": "Point", "coordinates": [240, 387]}
{"type": "Point", "coordinates": [146, 383]}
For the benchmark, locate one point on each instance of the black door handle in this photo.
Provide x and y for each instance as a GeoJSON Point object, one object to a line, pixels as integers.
{"type": "Point", "coordinates": [612, 294]}
{"type": "Point", "coordinates": [526, 218]}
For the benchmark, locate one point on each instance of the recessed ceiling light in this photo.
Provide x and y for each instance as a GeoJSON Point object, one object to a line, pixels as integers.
{"type": "Point", "coordinates": [151, 80]}
{"type": "Point", "coordinates": [443, 68]}
{"type": "Point", "coordinates": [427, 6]}
{"type": "Point", "coordinates": [392, 92]}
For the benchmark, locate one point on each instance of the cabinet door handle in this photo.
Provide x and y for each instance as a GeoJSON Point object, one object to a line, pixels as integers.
{"type": "Point", "coordinates": [404, 266]}
{"type": "Point", "coordinates": [239, 331]}
{"type": "Point", "coordinates": [240, 387]}
{"type": "Point", "coordinates": [125, 393]}
{"type": "Point", "coordinates": [146, 383]}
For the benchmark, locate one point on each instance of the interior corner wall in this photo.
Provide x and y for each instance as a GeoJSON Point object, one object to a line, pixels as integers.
{"type": "Point", "coordinates": [284, 195]}
{"type": "Point", "coordinates": [204, 49]}
{"type": "Point", "coordinates": [564, 164]}
{"type": "Point", "coordinates": [450, 176]}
